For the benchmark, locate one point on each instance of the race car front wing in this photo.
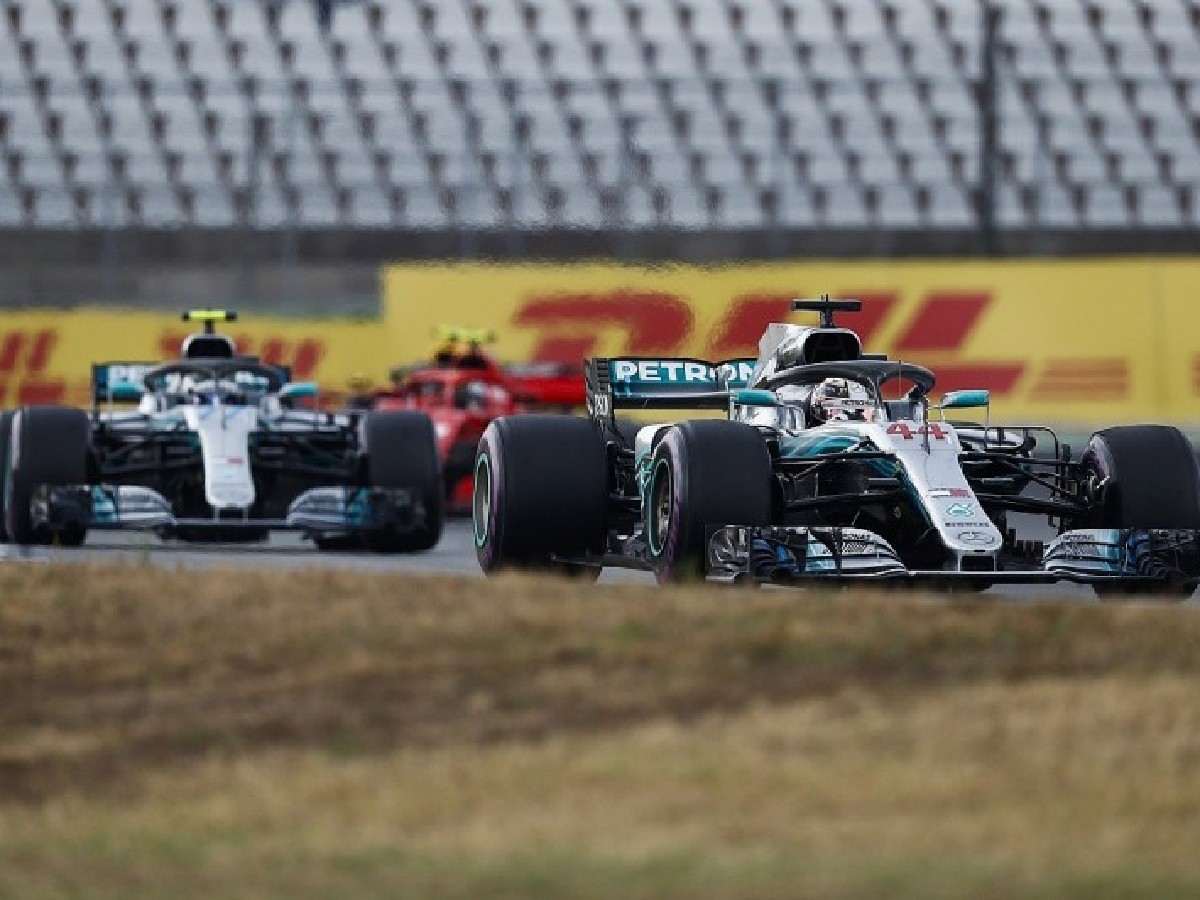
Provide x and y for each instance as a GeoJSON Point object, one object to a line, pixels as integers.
{"type": "Point", "coordinates": [317, 511]}
{"type": "Point", "coordinates": [1125, 557]}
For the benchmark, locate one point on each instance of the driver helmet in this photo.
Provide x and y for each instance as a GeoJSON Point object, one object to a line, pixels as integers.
{"type": "Point", "coordinates": [841, 400]}
{"type": "Point", "coordinates": [209, 391]}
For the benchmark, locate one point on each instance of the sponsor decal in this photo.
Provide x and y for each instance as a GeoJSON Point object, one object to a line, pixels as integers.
{"type": "Point", "coordinates": [960, 510]}
{"type": "Point", "coordinates": [663, 371]}
{"type": "Point", "coordinates": [679, 373]}
{"type": "Point", "coordinates": [908, 432]}
{"type": "Point", "coordinates": [945, 493]}
{"type": "Point", "coordinates": [977, 538]}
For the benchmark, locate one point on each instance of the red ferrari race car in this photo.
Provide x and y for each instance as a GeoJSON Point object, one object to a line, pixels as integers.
{"type": "Point", "coordinates": [463, 389]}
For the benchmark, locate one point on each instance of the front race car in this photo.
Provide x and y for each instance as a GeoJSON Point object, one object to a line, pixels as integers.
{"type": "Point", "coordinates": [831, 466]}
{"type": "Point", "coordinates": [219, 448]}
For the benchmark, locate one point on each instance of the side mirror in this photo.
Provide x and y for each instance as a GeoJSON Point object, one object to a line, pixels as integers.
{"type": "Point", "coordinates": [298, 390]}
{"type": "Point", "coordinates": [748, 397]}
{"type": "Point", "coordinates": [966, 399]}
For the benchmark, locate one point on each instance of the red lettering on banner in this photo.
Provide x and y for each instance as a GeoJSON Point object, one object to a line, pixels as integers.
{"type": "Point", "coordinates": [37, 391]}
{"type": "Point", "coordinates": [10, 350]}
{"type": "Point", "coordinates": [738, 332]}
{"type": "Point", "coordinates": [999, 378]}
{"type": "Point", "coordinates": [944, 322]}
{"type": "Point", "coordinates": [23, 360]}
{"type": "Point", "coordinates": [306, 358]}
{"type": "Point", "coordinates": [272, 351]}
{"type": "Point", "coordinates": [654, 322]}
{"type": "Point", "coordinates": [877, 306]}
{"type": "Point", "coordinates": [43, 346]}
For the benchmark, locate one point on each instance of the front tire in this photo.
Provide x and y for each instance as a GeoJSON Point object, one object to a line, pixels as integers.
{"type": "Point", "coordinates": [401, 453]}
{"type": "Point", "coordinates": [1151, 480]}
{"type": "Point", "coordinates": [704, 474]}
{"type": "Point", "coordinates": [48, 445]}
{"type": "Point", "coordinates": [5, 437]}
{"type": "Point", "coordinates": [540, 493]}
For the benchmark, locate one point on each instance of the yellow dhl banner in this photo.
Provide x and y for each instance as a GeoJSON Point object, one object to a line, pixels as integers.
{"type": "Point", "coordinates": [1088, 341]}
{"type": "Point", "coordinates": [1059, 341]}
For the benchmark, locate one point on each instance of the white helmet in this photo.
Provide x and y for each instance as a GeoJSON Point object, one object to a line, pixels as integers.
{"type": "Point", "coordinates": [841, 400]}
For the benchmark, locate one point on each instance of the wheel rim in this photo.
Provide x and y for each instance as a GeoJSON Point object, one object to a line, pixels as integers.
{"type": "Point", "coordinates": [481, 499]}
{"type": "Point", "coordinates": [660, 506]}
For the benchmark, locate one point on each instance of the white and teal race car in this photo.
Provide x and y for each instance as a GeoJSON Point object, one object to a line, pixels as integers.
{"type": "Point", "coordinates": [830, 463]}
{"type": "Point", "coordinates": [218, 447]}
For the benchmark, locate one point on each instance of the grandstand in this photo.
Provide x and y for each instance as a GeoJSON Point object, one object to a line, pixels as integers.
{"type": "Point", "coordinates": [598, 114]}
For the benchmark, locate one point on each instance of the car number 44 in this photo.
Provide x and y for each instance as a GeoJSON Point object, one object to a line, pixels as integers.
{"type": "Point", "coordinates": [908, 432]}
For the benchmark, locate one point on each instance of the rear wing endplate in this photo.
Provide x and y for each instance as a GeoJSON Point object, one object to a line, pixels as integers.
{"type": "Point", "coordinates": [119, 382]}
{"type": "Point", "coordinates": [644, 382]}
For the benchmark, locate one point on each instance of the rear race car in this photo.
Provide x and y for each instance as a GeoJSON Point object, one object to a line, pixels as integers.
{"type": "Point", "coordinates": [220, 447]}
{"type": "Point", "coordinates": [829, 465]}
{"type": "Point", "coordinates": [464, 389]}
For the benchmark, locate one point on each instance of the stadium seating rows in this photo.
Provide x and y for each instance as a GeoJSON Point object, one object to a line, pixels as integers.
{"type": "Point", "coordinates": [594, 113]}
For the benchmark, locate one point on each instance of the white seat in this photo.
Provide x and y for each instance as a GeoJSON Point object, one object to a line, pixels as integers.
{"type": "Point", "coordinates": [949, 207]}
{"type": "Point", "coordinates": [55, 208]}
{"type": "Point", "coordinates": [845, 207]}
{"type": "Point", "coordinates": [1106, 208]}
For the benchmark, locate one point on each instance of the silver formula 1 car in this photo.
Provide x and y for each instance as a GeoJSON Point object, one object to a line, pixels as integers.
{"type": "Point", "coordinates": [832, 464]}
{"type": "Point", "coordinates": [220, 447]}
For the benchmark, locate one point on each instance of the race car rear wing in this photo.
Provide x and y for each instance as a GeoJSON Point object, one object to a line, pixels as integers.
{"type": "Point", "coordinates": [643, 382]}
{"type": "Point", "coordinates": [119, 382]}
{"type": "Point", "coordinates": [124, 382]}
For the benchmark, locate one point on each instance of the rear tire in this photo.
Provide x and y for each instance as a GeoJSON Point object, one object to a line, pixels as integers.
{"type": "Point", "coordinates": [401, 452]}
{"type": "Point", "coordinates": [704, 474]}
{"type": "Point", "coordinates": [5, 435]}
{"type": "Point", "coordinates": [47, 445]}
{"type": "Point", "coordinates": [541, 491]}
{"type": "Point", "coordinates": [1153, 481]}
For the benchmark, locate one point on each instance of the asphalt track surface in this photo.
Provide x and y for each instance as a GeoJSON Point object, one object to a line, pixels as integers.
{"type": "Point", "coordinates": [454, 555]}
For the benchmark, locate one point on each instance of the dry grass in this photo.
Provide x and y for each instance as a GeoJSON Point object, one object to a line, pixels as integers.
{"type": "Point", "coordinates": [327, 734]}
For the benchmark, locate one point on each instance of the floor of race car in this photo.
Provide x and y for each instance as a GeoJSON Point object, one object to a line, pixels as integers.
{"type": "Point", "coordinates": [454, 555]}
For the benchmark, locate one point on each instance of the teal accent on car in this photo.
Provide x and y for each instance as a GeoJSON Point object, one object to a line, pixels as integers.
{"type": "Point", "coordinates": [751, 397]}
{"type": "Point", "coordinates": [358, 509]}
{"type": "Point", "coordinates": [817, 441]}
{"type": "Point", "coordinates": [296, 390]}
{"type": "Point", "coordinates": [104, 510]}
{"type": "Point", "coordinates": [645, 467]}
{"type": "Point", "coordinates": [966, 399]}
{"type": "Point", "coordinates": [483, 476]}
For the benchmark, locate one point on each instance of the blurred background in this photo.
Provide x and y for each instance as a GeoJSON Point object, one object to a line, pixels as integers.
{"type": "Point", "coordinates": [1013, 186]}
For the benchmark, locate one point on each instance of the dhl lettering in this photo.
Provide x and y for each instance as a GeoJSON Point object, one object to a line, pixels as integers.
{"type": "Point", "coordinates": [24, 358]}
{"type": "Point", "coordinates": [940, 326]}
{"type": "Point", "coordinates": [944, 321]}
{"type": "Point", "coordinates": [653, 322]}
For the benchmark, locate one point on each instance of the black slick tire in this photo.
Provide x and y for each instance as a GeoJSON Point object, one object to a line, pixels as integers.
{"type": "Point", "coordinates": [401, 452]}
{"type": "Point", "coordinates": [6, 418]}
{"type": "Point", "coordinates": [47, 445]}
{"type": "Point", "coordinates": [1151, 481]}
{"type": "Point", "coordinates": [540, 492]}
{"type": "Point", "coordinates": [703, 474]}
